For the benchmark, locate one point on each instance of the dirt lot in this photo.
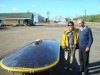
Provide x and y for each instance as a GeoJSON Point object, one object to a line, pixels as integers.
{"type": "Point", "coordinates": [15, 37]}
{"type": "Point", "coordinates": [12, 38]}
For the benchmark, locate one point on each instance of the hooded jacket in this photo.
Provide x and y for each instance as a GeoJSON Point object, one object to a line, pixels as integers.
{"type": "Point", "coordinates": [65, 42]}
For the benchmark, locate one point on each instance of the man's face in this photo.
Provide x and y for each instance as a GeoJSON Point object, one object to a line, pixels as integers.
{"type": "Point", "coordinates": [71, 26]}
{"type": "Point", "coordinates": [80, 23]}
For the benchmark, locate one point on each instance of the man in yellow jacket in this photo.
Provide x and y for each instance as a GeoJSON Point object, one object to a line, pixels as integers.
{"type": "Point", "coordinates": [69, 42]}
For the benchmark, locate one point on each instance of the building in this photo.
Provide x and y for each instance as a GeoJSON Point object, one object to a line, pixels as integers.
{"type": "Point", "coordinates": [38, 18]}
{"type": "Point", "coordinates": [16, 18]}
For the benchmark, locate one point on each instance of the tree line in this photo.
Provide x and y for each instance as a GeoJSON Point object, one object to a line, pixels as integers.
{"type": "Point", "coordinates": [90, 18]}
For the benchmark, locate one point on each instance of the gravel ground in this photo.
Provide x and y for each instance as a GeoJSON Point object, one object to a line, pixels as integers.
{"type": "Point", "coordinates": [12, 38]}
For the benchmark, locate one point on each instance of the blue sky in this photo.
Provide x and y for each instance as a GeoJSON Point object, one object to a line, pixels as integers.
{"type": "Point", "coordinates": [64, 8]}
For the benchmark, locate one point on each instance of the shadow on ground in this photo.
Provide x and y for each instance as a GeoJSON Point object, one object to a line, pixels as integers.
{"type": "Point", "coordinates": [94, 68]}
{"type": "Point", "coordinates": [3, 28]}
{"type": "Point", "coordinates": [59, 69]}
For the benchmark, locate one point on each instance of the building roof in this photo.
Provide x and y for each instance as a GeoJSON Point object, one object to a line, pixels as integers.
{"type": "Point", "coordinates": [27, 15]}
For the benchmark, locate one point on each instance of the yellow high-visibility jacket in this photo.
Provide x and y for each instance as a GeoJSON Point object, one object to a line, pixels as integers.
{"type": "Point", "coordinates": [65, 42]}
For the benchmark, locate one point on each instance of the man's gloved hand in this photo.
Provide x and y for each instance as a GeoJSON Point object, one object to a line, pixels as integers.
{"type": "Point", "coordinates": [66, 49]}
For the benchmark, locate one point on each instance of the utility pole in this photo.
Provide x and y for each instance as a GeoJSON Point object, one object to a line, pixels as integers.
{"type": "Point", "coordinates": [85, 14]}
{"type": "Point", "coordinates": [48, 14]}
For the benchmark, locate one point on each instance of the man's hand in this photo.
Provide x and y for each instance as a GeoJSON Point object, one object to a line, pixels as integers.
{"type": "Point", "coordinates": [66, 48]}
{"type": "Point", "coordinates": [87, 49]}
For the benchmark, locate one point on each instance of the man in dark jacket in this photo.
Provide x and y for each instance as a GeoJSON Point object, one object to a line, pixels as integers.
{"type": "Point", "coordinates": [85, 42]}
